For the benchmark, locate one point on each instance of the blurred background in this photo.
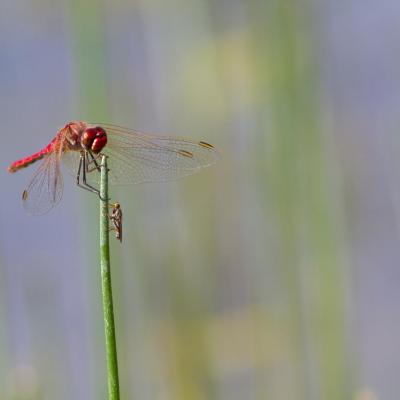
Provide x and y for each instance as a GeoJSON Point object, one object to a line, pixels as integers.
{"type": "Point", "coordinates": [273, 274]}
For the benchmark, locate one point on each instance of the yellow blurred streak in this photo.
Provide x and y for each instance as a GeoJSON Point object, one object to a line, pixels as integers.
{"type": "Point", "coordinates": [217, 69]}
{"type": "Point", "coordinates": [235, 342]}
{"type": "Point", "coordinates": [366, 394]}
{"type": "Point", "coordinates": [23, 383]}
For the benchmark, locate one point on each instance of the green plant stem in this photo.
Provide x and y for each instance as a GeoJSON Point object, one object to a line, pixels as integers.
{"type": "Point", "coordinates": [108, 311]}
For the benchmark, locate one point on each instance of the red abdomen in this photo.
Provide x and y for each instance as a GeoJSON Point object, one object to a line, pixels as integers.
{"type": "Point", "coordinates": [25, 162]}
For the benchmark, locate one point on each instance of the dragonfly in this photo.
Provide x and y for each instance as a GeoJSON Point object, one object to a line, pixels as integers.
{"type": "Point", "coordinates": [133, 157]}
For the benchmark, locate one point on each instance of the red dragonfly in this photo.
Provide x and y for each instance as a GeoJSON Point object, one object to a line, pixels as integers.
{"type": "Point", "coordinates": [133, 157]}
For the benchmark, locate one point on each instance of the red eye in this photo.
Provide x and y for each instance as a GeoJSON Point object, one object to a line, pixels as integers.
{"type": "Point", "coordinates": [94, 139]}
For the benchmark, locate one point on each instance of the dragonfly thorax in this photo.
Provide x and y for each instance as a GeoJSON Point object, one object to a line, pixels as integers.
{"type": "Point", "coordinates": [73, 132]}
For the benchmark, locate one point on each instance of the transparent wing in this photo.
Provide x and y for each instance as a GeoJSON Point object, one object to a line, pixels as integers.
{"type": "Point", "coordinates": [45, 189]}
{"type": "Point", "coordinates": [136, 157]}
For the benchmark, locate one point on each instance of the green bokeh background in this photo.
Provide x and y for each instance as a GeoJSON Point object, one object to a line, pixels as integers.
{"type": "Point", "coordinates": [264, 276]}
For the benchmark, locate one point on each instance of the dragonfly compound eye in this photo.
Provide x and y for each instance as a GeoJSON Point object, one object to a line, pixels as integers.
{"type": "Point", "coordinates": [94, 139]}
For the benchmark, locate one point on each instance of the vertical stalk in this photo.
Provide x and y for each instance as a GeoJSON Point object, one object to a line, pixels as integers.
{"type": "Point", "coordinates": [108, 311]}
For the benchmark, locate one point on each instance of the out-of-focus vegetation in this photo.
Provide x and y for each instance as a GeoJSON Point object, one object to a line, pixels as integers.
{"type": "Point", "coordinates": [251, 280]}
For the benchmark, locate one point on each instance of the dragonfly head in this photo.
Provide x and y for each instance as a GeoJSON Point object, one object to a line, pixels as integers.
{"type": "Point", "coordinates": [94, 139]}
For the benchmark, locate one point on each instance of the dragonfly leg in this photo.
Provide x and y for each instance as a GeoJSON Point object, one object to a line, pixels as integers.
{"type": "Point", "coordinates": [82, 175]}
{"type": "Point", "coordinates": [92, 160]}
{"type": "Point", "coordinates": [78, 174]}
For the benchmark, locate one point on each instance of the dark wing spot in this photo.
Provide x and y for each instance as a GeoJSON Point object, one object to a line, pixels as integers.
{"type": "Point", "coordinates": [206, 145]}
{"type": "Point", "coordinates": [185, 153]}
